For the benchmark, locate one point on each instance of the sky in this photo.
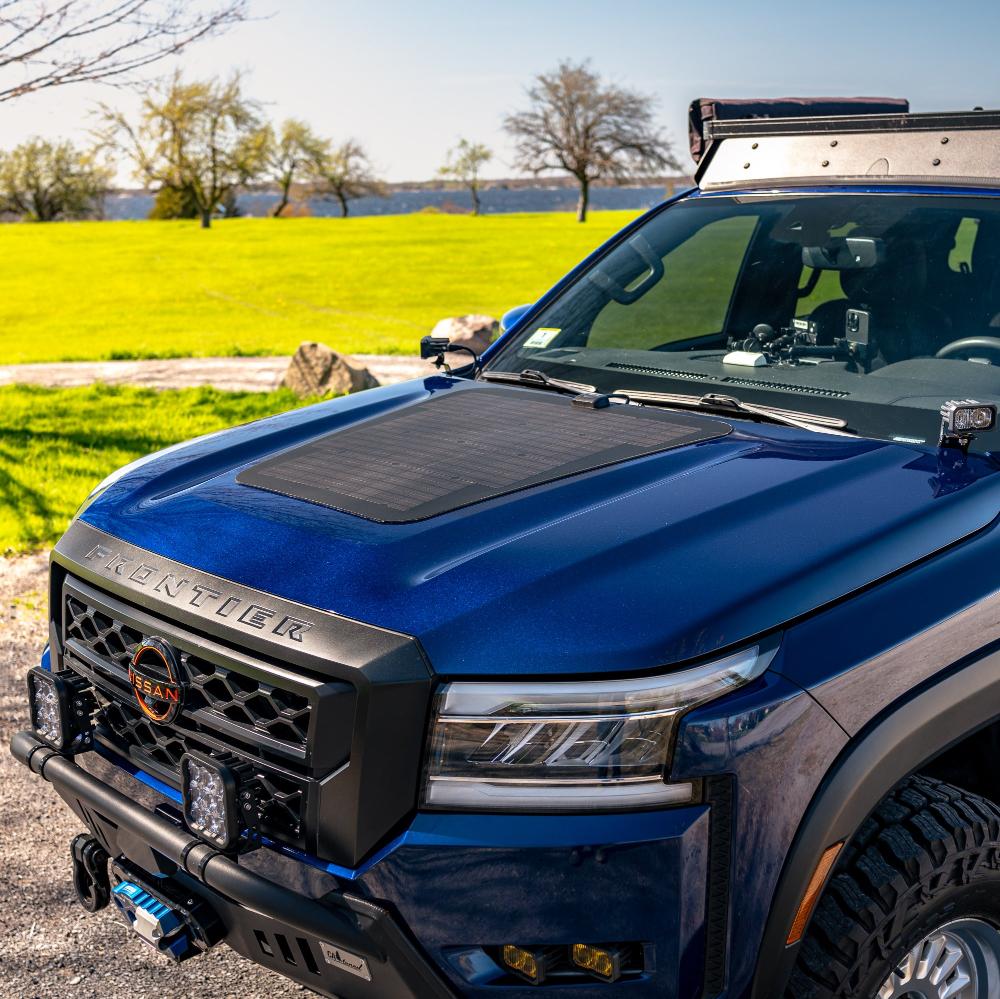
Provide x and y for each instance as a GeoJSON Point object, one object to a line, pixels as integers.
{"type": "Point", "coordinates": [408, 79]}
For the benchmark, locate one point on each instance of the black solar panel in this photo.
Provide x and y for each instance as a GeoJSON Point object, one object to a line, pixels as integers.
{"type": "Point", "coordinates": [465, 446]}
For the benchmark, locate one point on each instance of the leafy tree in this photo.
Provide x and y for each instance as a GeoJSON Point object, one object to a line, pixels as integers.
{"type": "Point", "coordinates": [50, 44]}
{"type": "Point", "coordinates": [173, 203]}
{"type": "Point", "coordinates": [179, 203]}
{"type": "Point", "coordinates": [463, 165]}
{"type": "Point", "coordinates": [203, 139]}
{"type": "Point", "coordinates": [294, 153]}
{"type": "Point", "coordinates": [44, 181]}
{"type": "Point", "coordinates": [346, 173]}
{"type": "Point", "coordinates": [595, 131]}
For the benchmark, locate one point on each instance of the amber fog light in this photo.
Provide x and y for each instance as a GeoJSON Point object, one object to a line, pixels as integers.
{"type": "Point", "coordinates": [532, 964]}
{"type": "Point", "coordinates": [61, 706]}
{"type": "Point", "coordinates": [604, 963]}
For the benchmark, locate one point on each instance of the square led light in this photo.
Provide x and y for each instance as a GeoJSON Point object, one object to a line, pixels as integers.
{"type": "Point", "coordinates": [209, 790]}
{"type": "Point", "coordinates": [967, 417]}
{"type": "Point", "coordinates": [60, 705]}
{"type": "Point", "coordinates": [531, 963]}
{"type": "Point", "coordinates": [604, 963]}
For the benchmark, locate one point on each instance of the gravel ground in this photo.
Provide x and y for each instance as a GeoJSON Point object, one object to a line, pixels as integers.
{"type": "Point", "coordinates": [49, 946]}
{"type": "Point", "coordinates": [230, 374]}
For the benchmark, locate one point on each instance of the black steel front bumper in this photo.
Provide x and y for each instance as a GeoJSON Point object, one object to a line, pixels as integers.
{"type": "Point", "coordinates": [310, 940]}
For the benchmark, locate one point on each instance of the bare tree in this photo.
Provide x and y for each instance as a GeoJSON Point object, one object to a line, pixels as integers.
{"type": "Point", "coordinates": [43, 181]}
{"type": "Point", "coordinates": [346, 173]}
{"type": "Point", "coordinates": [463, 165]}
{"type": "Point", "coordinates": [294, 153]}
{"type": "Point", "coordinates": [51, 43]}
{"type": "Point", "coordinates": [202, 139]}
{"type": "Point", "coordinates": [587, 128]}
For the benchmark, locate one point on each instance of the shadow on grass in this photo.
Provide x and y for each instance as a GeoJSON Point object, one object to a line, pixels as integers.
{"type": "Point", "coordinates": [56, 444]}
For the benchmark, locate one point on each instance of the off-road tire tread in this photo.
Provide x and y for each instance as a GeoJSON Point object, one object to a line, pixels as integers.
{"type": "Point", "coordinates": [923, 836]}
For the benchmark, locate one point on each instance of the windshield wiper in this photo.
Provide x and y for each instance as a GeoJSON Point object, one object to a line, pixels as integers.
{"type": "Point", "coordinates": [537, 379]}
{"type": "Point", "coordinates": [711, 403]}
{"type": "Point", "coordinates": [714, 403]}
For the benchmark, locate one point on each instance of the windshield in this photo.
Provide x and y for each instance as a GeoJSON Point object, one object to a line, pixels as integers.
{"type": "Point", "coordinates": [871, 308]}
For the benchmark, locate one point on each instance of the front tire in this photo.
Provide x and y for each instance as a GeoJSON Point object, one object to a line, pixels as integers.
{"type": "Point", "coordinates": [913, 907]}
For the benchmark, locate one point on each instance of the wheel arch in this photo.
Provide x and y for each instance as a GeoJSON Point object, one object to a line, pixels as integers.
{"type": "Point", "coordinates": [907, 737]}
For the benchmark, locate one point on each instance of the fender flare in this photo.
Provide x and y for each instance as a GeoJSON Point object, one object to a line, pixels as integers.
{"type": "Point", "coordinates": [942, 714]}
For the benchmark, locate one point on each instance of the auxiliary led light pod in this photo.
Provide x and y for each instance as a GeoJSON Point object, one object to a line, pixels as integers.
{"type": "Point", "coordinates": [61, 706]}
{"type": "Point", "coordinates": [532, 964]}
{"type": "Point", "coordinates": [963, 421]}
{"type": "Point", "coordinates": [604, 963]}
{"type": "Point", "coordinates": [213, 791]}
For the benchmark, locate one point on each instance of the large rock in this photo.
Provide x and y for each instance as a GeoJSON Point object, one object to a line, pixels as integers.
{"type": "Point", "coordinates": [475, 332]}
{"type": "Point", "coordinates": [316, 369]}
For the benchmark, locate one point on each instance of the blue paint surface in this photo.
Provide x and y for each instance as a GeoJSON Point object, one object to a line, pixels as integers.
{"type": "Point", "coordinates": [734, 537]}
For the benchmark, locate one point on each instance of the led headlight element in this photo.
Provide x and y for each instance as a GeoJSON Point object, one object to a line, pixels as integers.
{"type": "Point", "coordinates": [570, 746]}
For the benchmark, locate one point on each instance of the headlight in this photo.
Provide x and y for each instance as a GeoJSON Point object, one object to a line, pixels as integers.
{"type": "Point", "coordinates": [570, 746]}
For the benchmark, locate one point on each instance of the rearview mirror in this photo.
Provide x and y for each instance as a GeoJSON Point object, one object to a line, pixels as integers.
{"type": "Point", "coordinates": [847, 253]}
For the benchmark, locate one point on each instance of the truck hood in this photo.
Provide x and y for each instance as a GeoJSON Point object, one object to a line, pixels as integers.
{"type": "Point", "coordinates": [628, 567]}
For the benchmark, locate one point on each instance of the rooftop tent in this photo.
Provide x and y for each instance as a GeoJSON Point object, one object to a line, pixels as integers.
{"type": "Point", "coordinates": [706, 109]}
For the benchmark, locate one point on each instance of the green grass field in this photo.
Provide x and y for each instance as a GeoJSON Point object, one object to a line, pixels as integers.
{"type": "Point", "coordinates": [105, 290]}
{"type": "Point", "coordinates": [57, 444]}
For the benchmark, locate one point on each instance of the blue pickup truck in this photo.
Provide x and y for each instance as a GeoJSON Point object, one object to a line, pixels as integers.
{"type": "Point", "coordinates": [653, 653]}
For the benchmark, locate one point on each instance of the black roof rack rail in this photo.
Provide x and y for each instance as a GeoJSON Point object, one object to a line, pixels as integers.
{"type": "Point", "coordinates": [851, 124]}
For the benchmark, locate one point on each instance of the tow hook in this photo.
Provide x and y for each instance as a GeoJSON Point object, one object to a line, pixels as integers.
{"type": "Point", "coordinates": [90, 872]}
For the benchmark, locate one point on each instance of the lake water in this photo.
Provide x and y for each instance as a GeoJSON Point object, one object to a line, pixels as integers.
{"type": "Point", "coordinates": [132, 205]}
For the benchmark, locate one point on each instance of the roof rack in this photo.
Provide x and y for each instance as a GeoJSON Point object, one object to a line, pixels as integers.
{"type": "Point", "coordinates": [955, 148]}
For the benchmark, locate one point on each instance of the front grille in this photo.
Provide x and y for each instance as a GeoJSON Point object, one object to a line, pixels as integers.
{"type": "Point", "coordinates": [234, 702]}
{"type": "Point", "coordinates": [252, 704]}
{"type": "Point", "coordinates": [166, 747]}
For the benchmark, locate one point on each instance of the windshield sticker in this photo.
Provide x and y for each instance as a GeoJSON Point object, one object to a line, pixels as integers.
{"type": "Point", "coordinates": [542, 337]}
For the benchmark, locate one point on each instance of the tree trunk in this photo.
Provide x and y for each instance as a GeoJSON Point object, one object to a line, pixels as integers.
{"type": "Point", "coordinates": [584, 200]}
{"type": "Point", "coordinates": [343, 206]}
{"type": "Point", "coordinates": [475, 200]}
{"type": "Point", "coordinates": [206, 218]}
{"type": "Point", "coordinates": [283, 204]}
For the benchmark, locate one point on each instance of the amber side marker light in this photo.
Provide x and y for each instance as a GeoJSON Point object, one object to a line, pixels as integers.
{"type": "Point", "coordinates": [811, 896]}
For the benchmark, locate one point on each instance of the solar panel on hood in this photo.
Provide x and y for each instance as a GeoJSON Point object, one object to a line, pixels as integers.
{"type": "Point", "coordinates": [466, 446]}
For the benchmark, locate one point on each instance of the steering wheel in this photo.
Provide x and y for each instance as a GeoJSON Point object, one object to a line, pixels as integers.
{"type": "Point", "coordinates": [990, 344]}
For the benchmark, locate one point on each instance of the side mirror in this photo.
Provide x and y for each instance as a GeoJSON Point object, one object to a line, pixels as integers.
{"type": "Point", "coordinates": [512, 316]}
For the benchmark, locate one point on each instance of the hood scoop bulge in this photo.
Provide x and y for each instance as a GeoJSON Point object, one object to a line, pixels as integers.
{"type": "Point", "coordinates": [465, 446]}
